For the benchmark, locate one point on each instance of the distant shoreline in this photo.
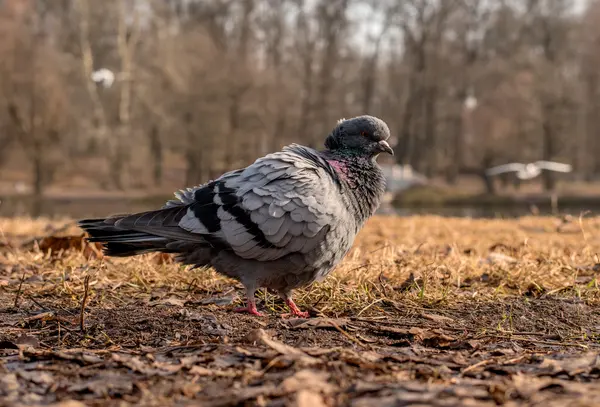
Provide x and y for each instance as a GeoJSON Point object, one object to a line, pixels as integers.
{"type": "Point", "coordinates": [414, 202]}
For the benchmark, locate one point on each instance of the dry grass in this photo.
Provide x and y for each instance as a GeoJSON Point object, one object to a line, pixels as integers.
{"type": "Point", "coordinates": [529, 283]}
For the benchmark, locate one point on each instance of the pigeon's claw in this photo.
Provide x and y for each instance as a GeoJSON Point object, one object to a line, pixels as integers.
{"type": "Point", "coordinates": [295, 310]}
{"type": "Point", "coordinates": [250, 308]}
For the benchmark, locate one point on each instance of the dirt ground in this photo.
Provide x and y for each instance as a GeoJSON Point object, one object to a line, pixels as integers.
{"type": "Point", "coordinates": [423, 311]}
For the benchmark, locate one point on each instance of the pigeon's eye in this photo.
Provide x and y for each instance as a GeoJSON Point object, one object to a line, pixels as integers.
{"type": "Point", "coordinates": [364, 133]}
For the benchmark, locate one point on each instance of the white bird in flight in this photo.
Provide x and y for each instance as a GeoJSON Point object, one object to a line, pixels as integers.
{"type": "Point", "coordinates": [401, 177]}
{"type": "Point", "coordinates": [103, 76]}
{"type": "Point", "coordinates": [529, 171]}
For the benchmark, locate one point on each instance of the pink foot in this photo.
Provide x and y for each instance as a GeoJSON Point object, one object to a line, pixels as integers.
{"type": "Point", "coordinates": [250, 309]}
{"type": "Point", "coordinates": [295, 310]}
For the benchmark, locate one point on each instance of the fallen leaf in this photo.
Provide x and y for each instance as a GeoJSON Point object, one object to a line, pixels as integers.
{"type": "Point", "coordinates": [308, 398]}
{"type": "Point", "coordinates": [498, 258]}
{"type": "Point", "coordinates": [8, 383]}
{"type": "Point", "coordinates": [168, 367]}
{"type": "Point", "coordinates": [364, 360]}
{"type": "Point", "coordinates": [438, 318]}
{"type": "Point", "coordinates": [260, 336]}
{"type": "Point", "coordinates": [43, 316]}
{"type": "Point", "coordinates": [176, 302]}
{"type": "Point", "coordinates": [238, 397]}
{"type": "Point", "coordinates": [37, 377]}
{"type": "Point", "coordinates": [572, 365]}
{"type": "Point", "coordinates": [528, 385]}
{"type": "Point", "coordinates": [25, 341]}
{"type": "Point", "coordinates": [308, 379]}
{"type": "Point", "coordinates": [432, 338]}
{"type": "Point", "coordinates": [401, 398]}
{"type": "Point", "coordinates": [109, 384]}
{"type": "Point", "coordinates": [317, 323]}
{"type": "Point", "coordinates": [220, 301]}
{"type": "Point", "coordinates": [203, 371]}
{"type": "Point", "coordinates": [68, 403]}
{"type": "Point", "coordinates": [134, 363]}
{"type": "Point", "coordinates": [163, 258]}
{"type": "Point", "coordinates": [210, 324]}
{"type": "Point", "coordinates": [79, 357]}
{"type": "Point", "coordinates": [395, 332]}
{"type": "Point", "coordinates": [59, 244]}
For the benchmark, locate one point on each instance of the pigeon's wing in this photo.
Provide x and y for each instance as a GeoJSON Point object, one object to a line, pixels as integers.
{"type": "Point", "coordinates": [501, 169]}
{"type": "Point", "coordinates": [284, 203]}
{"type": "Point", "coordinates": [553, 166]}
{"type": "Point", "coordinates": [165, 223]}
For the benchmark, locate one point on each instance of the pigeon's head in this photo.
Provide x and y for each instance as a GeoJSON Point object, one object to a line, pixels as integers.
{"type": "Point", "coordinates": [361, 136]}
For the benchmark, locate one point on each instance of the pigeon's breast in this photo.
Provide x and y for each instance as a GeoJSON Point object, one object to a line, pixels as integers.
{"type": "Point", "coordinates": [334, 247]}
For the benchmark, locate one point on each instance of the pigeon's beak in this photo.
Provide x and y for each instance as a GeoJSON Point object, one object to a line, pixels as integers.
{"type": "Point", "coordinates": [384, 147]}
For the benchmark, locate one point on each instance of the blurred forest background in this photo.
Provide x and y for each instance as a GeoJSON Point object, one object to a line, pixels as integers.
{"type": "Point", "coordinates": [203, 86]}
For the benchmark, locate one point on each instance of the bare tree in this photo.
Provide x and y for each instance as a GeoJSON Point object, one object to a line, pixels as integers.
{"type": "Point", "coordinates": [204, 86]}
{"type": "Point", "coordinates": [35, 101]}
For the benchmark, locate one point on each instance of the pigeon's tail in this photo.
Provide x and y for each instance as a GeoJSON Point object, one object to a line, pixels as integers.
{"type": "Point", "coordinates": [120, 242]}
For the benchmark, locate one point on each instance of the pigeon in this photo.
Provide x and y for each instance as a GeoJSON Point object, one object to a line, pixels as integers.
{"type": "Point", "coordinates": [281, 223]}
{"type": "Point", "coordinates": [104, 77]}
{"type": "Point", "coordinates": [529, 171]}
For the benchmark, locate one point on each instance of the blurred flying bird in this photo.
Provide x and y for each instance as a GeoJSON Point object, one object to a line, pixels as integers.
{"type": "Point", "coordinates": [104, 77]}
{"type": "Point", "coordinates": [401, 177]}
{"type": "Point", "coordinates": [529, 171]}
{"type": "Point", "coordinates": [281, 223]}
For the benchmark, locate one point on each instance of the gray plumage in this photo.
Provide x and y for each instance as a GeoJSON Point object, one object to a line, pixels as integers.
{"type": "Point", "coordinates": [282, 223]}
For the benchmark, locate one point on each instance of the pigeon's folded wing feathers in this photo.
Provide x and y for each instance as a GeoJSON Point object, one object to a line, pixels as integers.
{"type": "Point", "coordinates": [281, 204]}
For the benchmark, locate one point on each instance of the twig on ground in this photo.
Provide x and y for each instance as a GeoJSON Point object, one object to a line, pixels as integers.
{"type": "Point", "coordinates": [38, 304]}
{"type": "Point", "coordinates": [18, 296]}
{"type": "Point", "coordinates": [350, 337]}
{"type": "Point", "coordinates": [539, 342]}
{"type": "Point", "coordinates": [86, 283]}
{"type": "Point", "coordinates": [369, 306]}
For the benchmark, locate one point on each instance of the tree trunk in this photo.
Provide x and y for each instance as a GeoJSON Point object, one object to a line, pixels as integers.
{"type": "Point", "coordinates": [156, 151]}
{"type": "Point", "coordinates": [547, 154]}
{"type": "Point", "coordinates": [38, 179]}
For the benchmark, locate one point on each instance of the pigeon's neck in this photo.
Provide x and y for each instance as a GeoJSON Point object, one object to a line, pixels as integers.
{"type": "Point", "coordinates": [363, 178]}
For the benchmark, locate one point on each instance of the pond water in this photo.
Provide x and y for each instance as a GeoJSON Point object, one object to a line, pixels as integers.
{"type": "Point", "coordinates": [82, 207]}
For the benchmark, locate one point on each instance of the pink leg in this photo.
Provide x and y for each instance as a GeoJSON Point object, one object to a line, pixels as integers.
{"type": "Point", "coordinates": [295, 310]}
{"type": "Point", "coordinates": [251, 307]}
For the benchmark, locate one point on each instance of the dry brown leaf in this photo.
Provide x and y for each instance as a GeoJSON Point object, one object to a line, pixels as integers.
{"type": "Point", "coordinates": [438, 318]}
{"type": "Point", "coordinates": [528, 385]}
{"type": "Point", "coordinates": [107, 384]}
{"type": "Point", "coordinates": [316, 323]}
{"type": "Point", "coordinates": [499, 258]}
{"type": "Point", "coordinates": [314, 380]}
{"type": "Point", "coordinates": [432, 338]}
{"type": "Point", "coordinates": [572, 365]}
{"type": "Point", "coordinates": [79, 357]}
{"type": "Point", "coordinates": [308, 398]}
{"type": "Point", "coordinates": [68, 403]}
{"type": "Point", "coordinates": [163, 258]}
{"type": "Point", "coordinates": [176, 302]}
{"type": "Point", "coordinates": [44, 378]}
{"type": "Point", "coordinates": [59, 244]}
{"type": "Point", "coordinates": [27, 341]}
{"type": "Point", "coordinates": [203, 371]}
{"type": "Point", "coordinates": [260, 336]}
